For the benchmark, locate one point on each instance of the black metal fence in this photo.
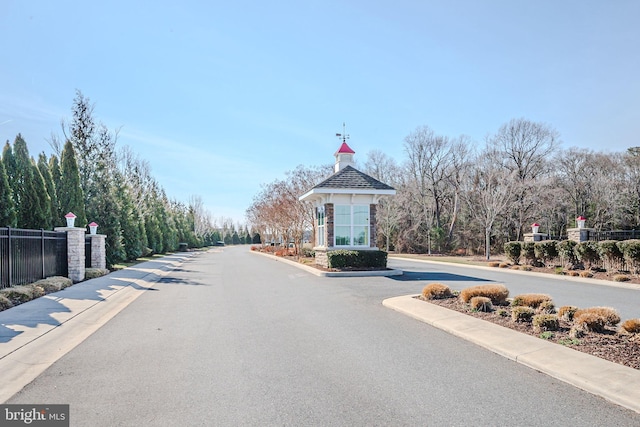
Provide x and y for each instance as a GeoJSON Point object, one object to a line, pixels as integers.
{"type": "Point", "coordinates": [87, 252]}
{"type": "Point", "coordinates": [30, 255]}
{"type": "Point", "coordinates": [614, 235]}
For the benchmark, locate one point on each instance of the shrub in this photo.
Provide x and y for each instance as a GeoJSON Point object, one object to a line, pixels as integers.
{"type": "Point", "coordinates": [547, 307]}
{"type": "Point", "coordinates": [93, 273]}
{"type": "Point", "coordinates": [586, 274]}
{"type": "Point", "coordinates": [513, 250]}
{"type": "Point", "coordinates": [589, 321]}
{"type": "Point", "coordinates": [546, 250]}
{"type": "Point", "coordinates": [522, 314]}
{"type": "Point", "coordinates": [494, 264]}
{"type": "Point", "coordinates": [631, 252]}
{"type": "Point", "coordinates": [576, 332]}
{"type": "Point", "coordinates": [559, 270]}
{"type": "Point", "coordinates": [525, 268]}
{"type": "Point", "coordinates": [573, 273]}
{"type": "Point", "coordinates": [308, 253]}
{"type": "Point", "coordinates": [530, 300]}
{"type": "Point", "coordinates": [5, 303]}
{"type": "Point", "coordinates": [436, 291]}
{"type": "Point", "coordinates": [587, 252]}
{"type": "Point", "coordinates": [504, 265]}
{"type": "Point", "coordinates": [357, 259]}
{"type": "Point", "coordinates": [631, 326]}
{"type": "Point", "coordinates": [566, 252]}
{"type": "Point", "coordinates": [610, 315]}
{"type": "Point", "coordinates": [529, 253]}
{"type": "Point", "coordinates": [497, 293]}
{"type": "Point", "coordinates": [36, 291]}
{"type": "Point", "coordinates": [545, 322]}
{"type": "Point", "coordinates": [610, 254]}
{"type": "Point", "coordinates": [621, 278]}
{"type": "Point", "coordinates": [18, 294]}
{"type": "Point", "coordinates": [567, 312]}
{"type": "Point", "coordinates": [481, 304]}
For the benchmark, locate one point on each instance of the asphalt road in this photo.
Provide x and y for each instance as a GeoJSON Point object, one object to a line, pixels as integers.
{"type": "Point", "coordinates": [233, 338]}
{"type": "Point", "coordinates": [625, 299]}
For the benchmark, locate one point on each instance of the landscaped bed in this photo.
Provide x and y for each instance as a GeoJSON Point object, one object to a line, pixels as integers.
{"type": "Point", "coordinates": [609, 342]}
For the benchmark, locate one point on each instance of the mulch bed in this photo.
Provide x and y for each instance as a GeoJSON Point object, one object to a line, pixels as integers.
{"type": "Point", "coordinates": [610, 345]}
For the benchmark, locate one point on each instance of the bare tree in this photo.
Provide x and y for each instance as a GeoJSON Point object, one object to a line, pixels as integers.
{"type": "Point", "coordinates": [523, 148]}
{"type": "Point", "coordinates": [488, 193]}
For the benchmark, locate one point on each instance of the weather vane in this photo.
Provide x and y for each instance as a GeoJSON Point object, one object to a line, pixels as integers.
{"type": "Point", "coordinates": [343, 135]}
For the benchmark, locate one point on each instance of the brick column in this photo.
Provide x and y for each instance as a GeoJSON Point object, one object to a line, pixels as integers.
{"type": "Point", "coordinates": [75, 252]}
{"type": "Point", "coordinates": [98, 250]}
{"type": "Point", "coordinates": [373, 243]}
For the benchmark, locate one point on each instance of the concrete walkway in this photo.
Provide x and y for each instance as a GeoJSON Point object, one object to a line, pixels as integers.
{"type": "Point", "coordinates": [35, 334]}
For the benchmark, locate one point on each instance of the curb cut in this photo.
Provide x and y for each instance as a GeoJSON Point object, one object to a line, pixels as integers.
{"type": "Point", "coordinates": [611, 381]}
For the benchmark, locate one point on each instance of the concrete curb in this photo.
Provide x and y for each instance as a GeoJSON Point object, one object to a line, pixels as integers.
{"type": "Point", "coordinates": [611, 381]}
{"type": "Point", "coordinates": [34, 335]}
{"type": "Point", "coordinates": [530, 273]}
{"type": "Point", "coordinates": [315, 271]}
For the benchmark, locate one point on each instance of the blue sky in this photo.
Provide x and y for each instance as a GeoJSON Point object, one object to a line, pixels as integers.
{"type": "Point", "coordinates": [221, 97]}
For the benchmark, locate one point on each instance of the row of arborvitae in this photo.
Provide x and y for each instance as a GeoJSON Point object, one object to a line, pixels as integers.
{"type": "Point", "coordinates": [537, 309]}
{"type": "Point", "coordinates": [16, 295]}
{"type": "Point", "coordinates": [607, 255]}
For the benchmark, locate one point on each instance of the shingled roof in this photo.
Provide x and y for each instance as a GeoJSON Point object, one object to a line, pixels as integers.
{"type": "Point", "coordinates": [351, 178]}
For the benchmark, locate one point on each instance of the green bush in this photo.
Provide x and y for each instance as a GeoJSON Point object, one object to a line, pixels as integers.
{"type": "Point", "coordinates": [545, 322]}
{"type": "Point", "coordinates": [529, 253]}
{"type": "Point", "coordinates": [357, 259]}
{"type": "Point", "coordinates": [610, 254]}
{"type": "Point", "coordinates": [567, 253]}
{"type": "Point", "coordinates": [631, 252]}
{"type": "Point", "coordinates": [546, 250]}
{"type": "Point", "coordinates": [306, 252]}
{"type": "Point", "coordinates": [513, 250]}
{"type": "Point", "coordinates": [587, 252]}
{"type": "Point", "coordinates": [522, 314]}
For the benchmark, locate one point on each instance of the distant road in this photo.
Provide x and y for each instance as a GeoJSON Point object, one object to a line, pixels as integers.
{"type": "Point", "coordinates": [237, 339]}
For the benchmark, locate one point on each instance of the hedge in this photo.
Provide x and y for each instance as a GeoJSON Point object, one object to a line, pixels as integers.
{"type": "Point", "coordinates": [343, 258]}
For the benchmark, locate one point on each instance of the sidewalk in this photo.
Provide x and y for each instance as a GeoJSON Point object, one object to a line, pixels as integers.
{"type": "Point", "coordinates": [35, 334]}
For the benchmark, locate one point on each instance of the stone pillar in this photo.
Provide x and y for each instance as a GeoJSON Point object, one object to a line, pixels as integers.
{"type": "Point", "coordinates": [373, 243]}
{"type": "Point", "coordinates": [98, 250]}
{"type": "Point", "coordinates": [328, 224]}
{"type": "Point", "coordinates": [75, 252]}
{"type": "Point", "coordinates": [578, 234]}
{"type": "Point", "coordinates": [534, 237]}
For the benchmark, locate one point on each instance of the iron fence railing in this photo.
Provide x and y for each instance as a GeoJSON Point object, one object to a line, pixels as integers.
{"type": "Point", "coordinates": [614, 235]}
{"type": "Point", "coordinates": [30, 255]}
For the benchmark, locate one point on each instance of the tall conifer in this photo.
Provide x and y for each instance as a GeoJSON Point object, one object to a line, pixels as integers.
{"type": "Point", "coordinates": [70, 196]}
{"type": "Point", "coordinates": [7, 207]}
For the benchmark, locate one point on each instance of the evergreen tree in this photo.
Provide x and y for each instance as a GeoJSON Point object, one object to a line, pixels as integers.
{"type": "Point", "coordinates": [24, 188]}
{"type": "Point", "coordinates": [41, 200]}
{"type": "Point", "coordinates": [70, 196]}
{"type": "Point", "coordinates": [43, 167]}
{"type": "Point", "coordinates": [256, 239]}
{"type": "Point", "coordinates": [56, 177]}
{"type": "Point", "coordinates": [235, 239]}
{"type": "Point", "coordinates": [247, 238]}
{"type": "Point", "coordinates": [7, 207]}
{"type": "Point", "coordinates": [129, 220]}
{"type": "Point", "coordinates": [9, 162]}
